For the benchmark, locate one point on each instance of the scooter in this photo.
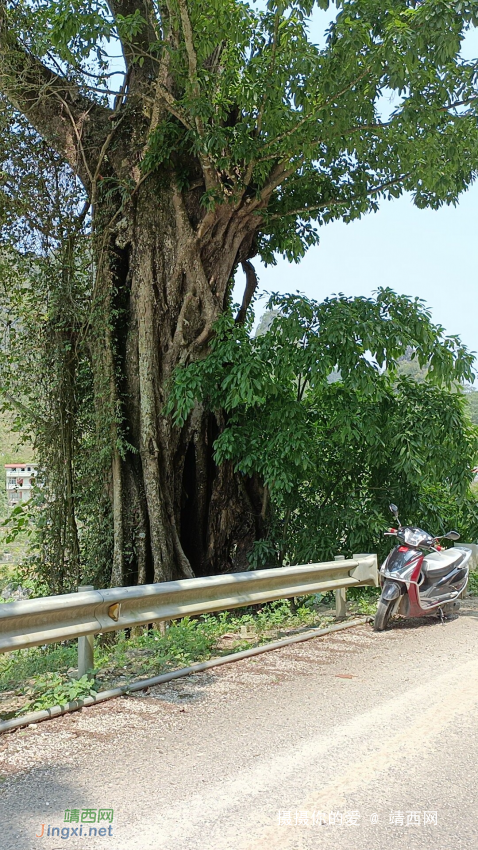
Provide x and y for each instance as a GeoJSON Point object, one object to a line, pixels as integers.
{"type": "Point", "coordinates": [419, 577]}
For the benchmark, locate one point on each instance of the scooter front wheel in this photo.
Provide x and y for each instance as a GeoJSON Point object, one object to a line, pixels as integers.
{"type": "Point", "coordinates": [382, 617]}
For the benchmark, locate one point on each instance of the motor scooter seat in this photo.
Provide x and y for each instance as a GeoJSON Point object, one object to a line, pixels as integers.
{"type": "Point", "coordinates": [438, 564]}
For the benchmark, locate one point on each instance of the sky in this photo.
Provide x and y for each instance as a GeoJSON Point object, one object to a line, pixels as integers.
{"type": "Point", "coordinates": [425, 253]}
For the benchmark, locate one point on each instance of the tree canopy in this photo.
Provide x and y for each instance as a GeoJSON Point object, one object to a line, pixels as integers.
{"type": "Point", "coordinates": [290, 133]}
{"type": "Point", "coordinates": [334, 453]}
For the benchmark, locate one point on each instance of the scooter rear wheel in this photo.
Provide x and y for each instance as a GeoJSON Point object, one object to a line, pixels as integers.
{"type": "Point", "coordinates": [382, 617]}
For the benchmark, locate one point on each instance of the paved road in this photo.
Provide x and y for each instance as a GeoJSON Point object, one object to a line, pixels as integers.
{"type": "Point", "coordinates": [357, 740]}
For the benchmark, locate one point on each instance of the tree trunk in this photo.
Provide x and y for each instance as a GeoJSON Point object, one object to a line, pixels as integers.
{"type": "Point", "coordinates": [175, 513]}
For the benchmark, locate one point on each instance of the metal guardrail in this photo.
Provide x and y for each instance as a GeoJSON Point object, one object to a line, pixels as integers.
{"type": "Point", "coordinates": [474, 553]}
{"type": "Point", "coordinates": [81, 615]}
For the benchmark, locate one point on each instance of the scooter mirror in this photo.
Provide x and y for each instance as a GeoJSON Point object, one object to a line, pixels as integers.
{"type": "Point", "coordinates": [452, 535]}
{"type": "Point", "coordinates": [394, 509]}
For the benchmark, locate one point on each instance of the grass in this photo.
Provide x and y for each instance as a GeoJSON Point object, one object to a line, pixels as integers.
{"type": "Point", "coordinates": [41, 675]}
{"type": "Point", "coordinates": [17, 668]}
{"type": "Point", "coordinates": [473, 583]}
{"type": "Point", "coordinates": [55, 689]}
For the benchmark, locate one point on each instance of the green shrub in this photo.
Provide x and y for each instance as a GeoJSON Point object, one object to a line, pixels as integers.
{"type": "Point", "coordinates": [56, 689]}
{"type": "Point", "coordinates": [473, 583]}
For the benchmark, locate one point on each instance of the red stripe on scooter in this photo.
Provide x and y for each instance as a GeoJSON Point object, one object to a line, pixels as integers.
{"type": "Point", "coordinates": [415, 609]}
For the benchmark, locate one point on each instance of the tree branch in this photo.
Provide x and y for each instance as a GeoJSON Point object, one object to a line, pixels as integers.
{"type": "Point", "coordinates": [334, 202]}
{"type": "Point", "coordinates": [274, 44]}
{"type": "Point", "coordinates": [189, 44]}
{"type": "Point", "coordinates": [108, 140]}
{"type": "Point", "coordinates": [163, 100]}
{"type": "Point", "coordinates": [27, 411]}
{"type": "Point", "coordinates": [320, 107]}
{"type": "Point", "coordinates": [252, 282]}
{"type": "Point", "coordinates": [141, 42]}
{"type": "Point", "coordinates": [209, 172]}
{"type": "Point", "coordinates": [303, 210]}
{"type": "Point", "coordinates": [275, 38]}
{"type": "Point", "coordinates": [277, 176]}
{"type": "Point", "coordinates": [464, 102]}
{"type": "Point", "coordinates": [71, 123]}
{"type": "Point", "coordinates": [377, 125]}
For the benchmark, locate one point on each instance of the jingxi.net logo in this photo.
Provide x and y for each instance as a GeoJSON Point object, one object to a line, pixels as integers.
{"type": "Point", "coordinates": [84, 823]}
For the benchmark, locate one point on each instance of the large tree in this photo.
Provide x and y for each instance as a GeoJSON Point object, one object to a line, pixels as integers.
{"type": "Point", "coordinates": [231, 135]}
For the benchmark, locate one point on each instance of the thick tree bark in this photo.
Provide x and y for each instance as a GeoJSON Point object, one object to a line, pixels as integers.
{"type": "Point", "coordinates": [175, 513]}
{"type": "Point", "coordinates": [164, 264]}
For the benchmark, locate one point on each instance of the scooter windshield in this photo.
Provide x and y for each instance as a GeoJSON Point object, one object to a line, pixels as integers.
{"type": "Point", "coordinates": [413, 536]}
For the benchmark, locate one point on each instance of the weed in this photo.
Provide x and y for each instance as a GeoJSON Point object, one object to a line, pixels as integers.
{"type": "Point", "coordinates": [56, 689]}
{"type": "Point", "coordinates": [25, 664]}
{"type": "Point", "coordinates": [186, 641]}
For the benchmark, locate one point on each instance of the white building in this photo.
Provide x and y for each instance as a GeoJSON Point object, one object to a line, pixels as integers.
{"type": "Point", "coordinates": [20, 478]}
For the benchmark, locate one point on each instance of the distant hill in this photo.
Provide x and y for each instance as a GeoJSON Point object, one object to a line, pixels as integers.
{"type": "Point", "coordinates": [266, 321]}
{"type": "Point", "coordinates": [411, 367]}
{"type": "Point", "coordinates": [472, 398]}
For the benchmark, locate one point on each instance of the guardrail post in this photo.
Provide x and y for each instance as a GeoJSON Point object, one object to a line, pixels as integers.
{"type": "Point", "coordinates": [86, 645]}
{"type": "Point", "coordinates": [340, 597]}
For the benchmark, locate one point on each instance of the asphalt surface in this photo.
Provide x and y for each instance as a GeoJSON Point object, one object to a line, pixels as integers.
{"type": "Point", "coordinates": [357, 740]}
